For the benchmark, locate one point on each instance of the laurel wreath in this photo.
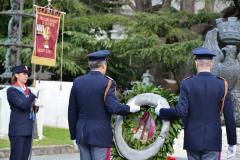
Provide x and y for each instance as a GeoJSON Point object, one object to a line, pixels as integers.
{"type": "Point", "coordinates": [131, 121]}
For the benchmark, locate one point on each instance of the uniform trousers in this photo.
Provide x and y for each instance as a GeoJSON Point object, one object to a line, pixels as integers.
{"type": "Point", "coordinates": [203, 155]}
{"type": "Point", "coordinates": [20, 147]}
{"type": "Point", "coordinates": [91, 152]}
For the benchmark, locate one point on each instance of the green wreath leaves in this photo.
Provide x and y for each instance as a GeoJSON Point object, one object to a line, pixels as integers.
{"type": "Point", "coordinates": [131, 121]}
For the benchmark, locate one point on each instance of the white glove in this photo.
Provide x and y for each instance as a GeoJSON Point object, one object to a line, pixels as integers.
{"type": "Point", "coordinates": [133, 107]}
{"type": "Point", "coordinates": [157, 109]}
{"type": "Point", "coordinates": [75, 145]}
{"type": "Point", "coordinates": [231, 151]}
{"type": "Point", "coordinates": [36, 90]}
{"type": "Point", "coordinates": [37, 102]}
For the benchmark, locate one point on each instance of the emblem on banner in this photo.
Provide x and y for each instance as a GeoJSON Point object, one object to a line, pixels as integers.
{"type": "Point", "coordinates": [45, 32]}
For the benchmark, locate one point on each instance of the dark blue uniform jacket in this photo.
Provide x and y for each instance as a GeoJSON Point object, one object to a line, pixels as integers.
{"type": "Point", "coordinates": [20, 105]}
{"type": "Point", "coordinates": [199, 104]}
{"type": "Point", "coordinates": [89, 116]}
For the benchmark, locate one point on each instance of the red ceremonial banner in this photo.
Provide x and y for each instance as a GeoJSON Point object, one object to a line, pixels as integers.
{"type": "Point", "coordinates": [46, 36]}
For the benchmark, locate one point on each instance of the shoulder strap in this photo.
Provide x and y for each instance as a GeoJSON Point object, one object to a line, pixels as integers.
{"type": "Point", "coordinates": [225, 93]}
{"type": "Point", "coordinates": [188, 77]}
{"type": "Point", "coordinates": [18, 88]}
{"type": "Point", "coordinates": [107, 88]}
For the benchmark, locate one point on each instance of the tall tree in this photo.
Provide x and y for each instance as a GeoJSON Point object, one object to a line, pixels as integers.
{"type": "Point", "coordinates": [143, 5]}
{"type": "Point", "coordinates": [167, 3]}
{"type": "Point", "coordinates": [188, 6]}
{"type": "Point", "coordinates": [209, 5]}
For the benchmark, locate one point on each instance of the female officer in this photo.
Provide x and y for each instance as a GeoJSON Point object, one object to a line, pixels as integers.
{"type": "Point", "coordinates": [21, 101]}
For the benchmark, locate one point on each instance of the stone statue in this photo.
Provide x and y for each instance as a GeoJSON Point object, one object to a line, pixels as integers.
{"type": "Point", "coordinates": [227, 61]}
{"type": "Point", "coordinates": [147, 78]}
{"type": "Point", "coordinates": [15, 4]}
{"type": "Point", "coordinates": [13, 35]}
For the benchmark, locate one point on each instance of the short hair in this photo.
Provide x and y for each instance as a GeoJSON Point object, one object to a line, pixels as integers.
{"type": "Point", "coordinates": [96, 64]}
{"type": "Point", "coordinates": [204, 62]}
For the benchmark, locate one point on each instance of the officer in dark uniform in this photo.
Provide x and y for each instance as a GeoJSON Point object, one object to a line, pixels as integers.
{"type": "Point", "coordinates": [200, 105]}
{"type": "Point", "coordinates": [91, 104]}
{"type": "Point", "coordinates": [22, 115]}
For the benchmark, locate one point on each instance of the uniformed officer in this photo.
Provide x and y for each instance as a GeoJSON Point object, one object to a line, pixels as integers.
{"type": "Point", "coordinates": [21, 101]}
{"type": "Point", "coordinates": [200, 106]}
{"type": "Point", "coordinates": [91, 104]}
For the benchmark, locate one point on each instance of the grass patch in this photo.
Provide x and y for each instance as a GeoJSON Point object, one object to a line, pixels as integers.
{"type": "Point", "coordinates": [52, 136]}
{"type": "Point", "coordinates": [4, 143]}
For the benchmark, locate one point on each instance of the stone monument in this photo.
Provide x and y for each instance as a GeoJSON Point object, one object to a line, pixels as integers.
{"type": "Point", "coordinates": [13, 37]}
{"type": "Point", "coordinates": [13, 41]}
{"type": "Point", "coordinates": [147, 78]}
{"type": "Point", "coordinates": [226, 63]}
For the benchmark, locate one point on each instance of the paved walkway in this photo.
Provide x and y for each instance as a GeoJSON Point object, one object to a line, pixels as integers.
{"type": "Point", "coordinates": [181, 154]}
{"type": "Point", "coordinates": [67, 157]}
{"type": "Point", "coordinates": [73, 156]}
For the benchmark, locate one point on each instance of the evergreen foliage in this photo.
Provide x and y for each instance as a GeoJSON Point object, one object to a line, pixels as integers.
{"type": "Point", "coordinates": [162, 37]}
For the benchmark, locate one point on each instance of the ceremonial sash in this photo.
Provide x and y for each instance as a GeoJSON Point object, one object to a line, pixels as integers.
{"type": "Point", "coordinates": [32, 115]}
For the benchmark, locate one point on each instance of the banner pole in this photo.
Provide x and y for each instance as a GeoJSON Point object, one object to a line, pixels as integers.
{"type": "Point", "coordinates": [34, 65]}
{"type": "Point", "coordinates": [50, 9]}
{"type": "Point", "coordinates": [34, 82]}
{"type": "Point", "coordinates": [61, 69]}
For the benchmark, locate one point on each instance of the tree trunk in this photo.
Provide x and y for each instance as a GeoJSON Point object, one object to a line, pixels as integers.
{"type": "Point", "coordinates": [209, 5]}
{"type": "Point", "coordinates": [167, 3]}
{"type": "Point", "coordinates": [187, 6]}
{"type": "Point", "coordinates": [143, 5]}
